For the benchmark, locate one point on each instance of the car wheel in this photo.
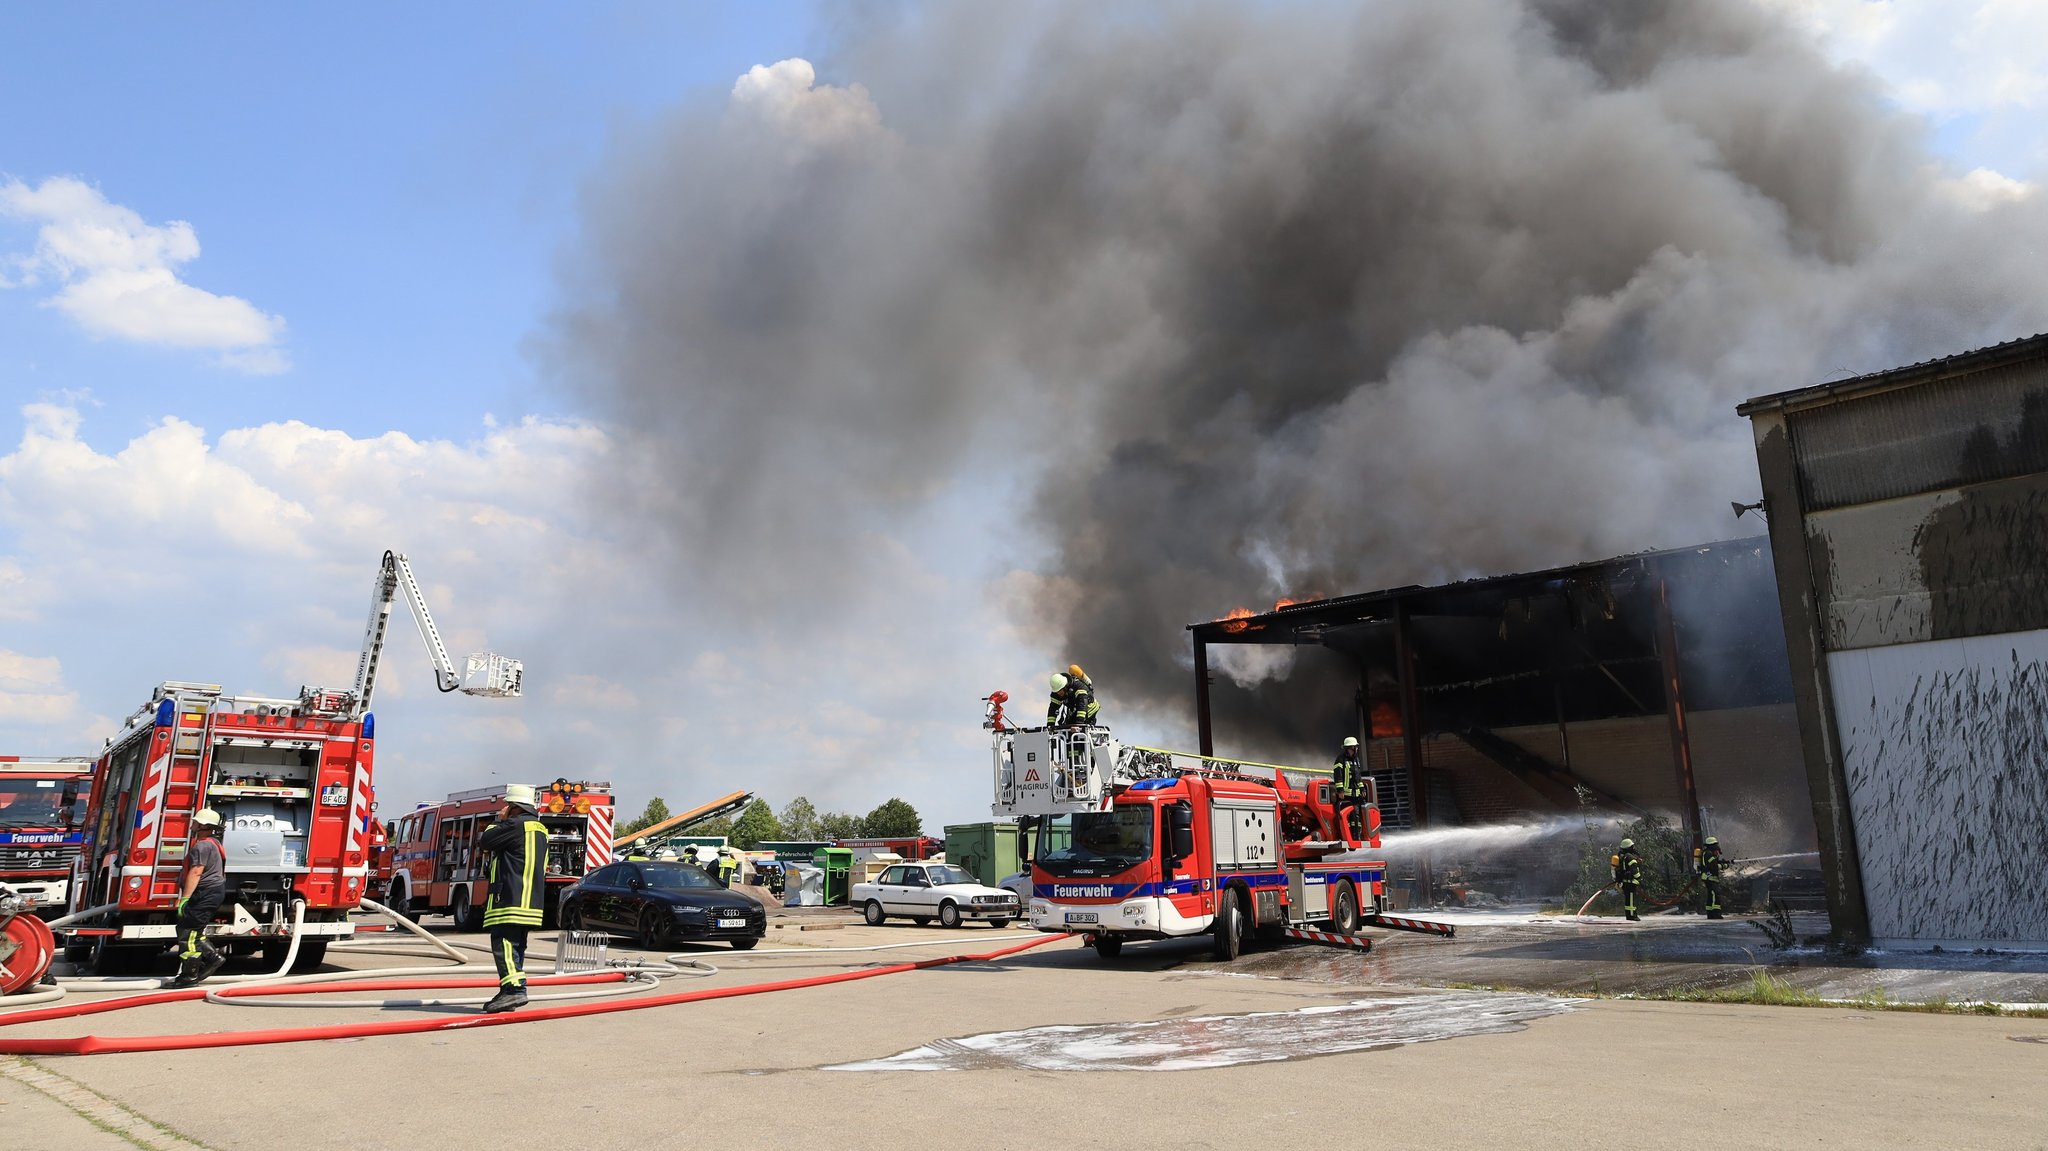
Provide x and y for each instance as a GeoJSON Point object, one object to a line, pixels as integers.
{"type": "Point", "coordinates": [651, 930]}
{"type": "Point", "coordinates": [572, 917]}
{"type": "Point", "coordinates": [873, 913]}
{"type": "Point", "coordinates": [1344, 917]}
{"type": "Point", "coordinates": [746, 944]}
{"type": "Point", "coordinates": [397, 903]}
{"type": "Point", "coordinates": [1228, 928]}
{"type": "Point", "coordinates": [949, 915]}
{"type": "Point", "coordinates": [1107, 946]}
{"type": "Point", "coordinates": [999, 923]}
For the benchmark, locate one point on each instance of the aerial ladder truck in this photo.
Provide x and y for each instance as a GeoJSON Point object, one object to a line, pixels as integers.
{"type": "Point", "coordinates": [1136, 843]}
{"type": "Point", "coordinates": [292, 780]}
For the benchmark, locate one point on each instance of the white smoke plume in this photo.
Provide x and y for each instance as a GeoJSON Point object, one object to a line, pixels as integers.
{"type": "Point", "coordinates": [1257, 300]}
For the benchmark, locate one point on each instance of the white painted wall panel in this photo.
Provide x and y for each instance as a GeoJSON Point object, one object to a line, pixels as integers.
{"type": "Point", "coordinates": [1945, 747]}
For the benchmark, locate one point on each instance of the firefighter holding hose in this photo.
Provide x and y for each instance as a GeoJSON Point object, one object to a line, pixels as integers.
{"type": "Point", "coordinates": [1709, 865]}
{"type": "Point", "coordinates": [517, 845]}
{"type": "Point", "coordinates": [1628, 876]}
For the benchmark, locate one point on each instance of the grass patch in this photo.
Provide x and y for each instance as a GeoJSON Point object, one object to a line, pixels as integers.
{"type": "Point", "coordinates": [1767, 990]}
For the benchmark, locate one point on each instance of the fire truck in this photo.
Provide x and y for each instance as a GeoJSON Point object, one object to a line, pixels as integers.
{"type": "Point", "coordinates": [437, 869]}
{"type": "Point", "coordinates": [42, 814]}
{"type": "Point", "coordinates": [291, 780]}
{"type": "Point", "coordinates": [1139, 843]}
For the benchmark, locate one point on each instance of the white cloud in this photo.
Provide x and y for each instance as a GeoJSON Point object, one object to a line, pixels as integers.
{"type": "Point", "coordinates": [116, 275]}
{"type": "Point", "coordinates": [1980, 65]}
{"type": "Point", "coordinates": [245, 558]}
{"type": "Point", "coordinates": [787, 95]}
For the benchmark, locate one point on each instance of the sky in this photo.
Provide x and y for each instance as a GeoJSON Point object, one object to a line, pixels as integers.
{"type": "Point", "coordinates": [282, 288]}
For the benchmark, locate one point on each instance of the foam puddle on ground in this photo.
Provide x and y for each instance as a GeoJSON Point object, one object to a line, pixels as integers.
{"type": "Point", "coordinates": [1228, 1040]}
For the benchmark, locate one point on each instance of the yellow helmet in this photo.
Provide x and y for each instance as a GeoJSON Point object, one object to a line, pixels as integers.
{"type": "Point", "coordinates": [1628, 843]}
{"type": "Point", "coordinates": [1712, 841]}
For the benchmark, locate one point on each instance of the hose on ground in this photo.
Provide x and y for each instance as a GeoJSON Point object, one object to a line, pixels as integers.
{"type": "Point", "coordinates": [108, 1044]}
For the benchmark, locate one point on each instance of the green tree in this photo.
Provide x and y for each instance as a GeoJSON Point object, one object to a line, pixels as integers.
{"type": "Point", "coordinates": [656, 811]}
{"type": "Point", "coordinates": [799, 819]}
{"type": "Point", "coordinates": [721, 825]}
{"type": "Point", "coordinates": [893, 819]}
{"type": "Point", "coordinates": [839, 825]}
{"type": "Point", "coordinates": [756, 825]}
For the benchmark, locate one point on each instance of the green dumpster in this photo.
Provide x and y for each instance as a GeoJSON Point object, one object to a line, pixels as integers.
{"type": "Point", "coordinates": [837, 864]}
{"type": "Point", "coordinates": [987, 850]}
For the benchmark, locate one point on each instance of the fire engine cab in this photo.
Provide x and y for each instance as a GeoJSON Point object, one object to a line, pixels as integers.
{"type": "Point", "coordinates": [436, 868]}
{"type": "Point", "coordinates": [291, 779]}
{"type": "Point", "coordinates": [42, 816]}
{"type": "Point", "coordinates": [1141, 843]}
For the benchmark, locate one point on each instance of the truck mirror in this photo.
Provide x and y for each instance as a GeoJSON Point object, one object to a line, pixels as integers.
{"type": "Point", "coordinates": [1180, 831]}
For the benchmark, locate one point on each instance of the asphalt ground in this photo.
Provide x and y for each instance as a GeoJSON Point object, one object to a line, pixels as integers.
{"type": "Point", "coordinates": [1301, 1043]}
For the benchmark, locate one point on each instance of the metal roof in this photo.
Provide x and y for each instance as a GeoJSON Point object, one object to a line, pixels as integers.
{"type": "Point", "coordinates": [2024, 348]}
{"type": "Point", "coordinates": [1298, 622]}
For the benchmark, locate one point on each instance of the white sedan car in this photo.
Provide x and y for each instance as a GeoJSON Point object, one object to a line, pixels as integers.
{"type": "Point", "coordinates": [922, 892]}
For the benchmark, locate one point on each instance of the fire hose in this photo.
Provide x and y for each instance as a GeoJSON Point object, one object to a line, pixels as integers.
{"type": "Point", "coordinates": [1682, 893]}
{"type": "Point", "coordinates": [342, 982]}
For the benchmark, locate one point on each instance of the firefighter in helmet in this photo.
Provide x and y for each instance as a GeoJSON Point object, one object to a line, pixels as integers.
{"type": "Point", "coordinates": [1628, 875]}
{"type": "Point", "coordinates": [1709, 865]}
{"type": "Point", "coordinates": [728, 866]}
{"type": "Point", "coordinates": [1348, 786]}
{"type": "Point", "coordinates": [1073, 700]}
{"type": "Point", "coordinates": [201, 888]}
{"type": "Point", "coordinates": [517, 844]}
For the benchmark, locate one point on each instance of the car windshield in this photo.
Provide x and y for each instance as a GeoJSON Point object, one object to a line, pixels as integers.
{"type": "Point", "coordinates": [946, 873]}
{"type": "Point", "coordinates": [675, 877]}
{"type": "Point", "coordinates": [1096, 842]}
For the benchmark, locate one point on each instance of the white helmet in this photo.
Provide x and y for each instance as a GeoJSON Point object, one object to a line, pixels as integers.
{"type": "Point", "coordinates": [520, 795]}
{"type": "Point", "coordinates": [207, 817]}
{"type": "Point", "coordinates": [1350, 741]}
{"type": "Point", "coordinates": [1059, 682]}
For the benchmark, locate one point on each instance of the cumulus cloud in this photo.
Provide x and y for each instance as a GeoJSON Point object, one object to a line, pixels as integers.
{"type": "Point", "coordinates": [787, 96]}
{"type": "Point", "coordinates": [245, 557]}
{"type": "Point", "coordinates": [116, 275]}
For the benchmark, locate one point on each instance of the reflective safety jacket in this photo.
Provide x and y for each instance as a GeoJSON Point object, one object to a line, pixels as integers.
{"type": "Point", "coordinates": [1349, 777]}
{"type": "Point", "coordinates": [518, 848]}
{"type": "Point", "coordinates": [1073, 704]}
{"type": "Point", "coordinates": [1711, 863]}
{"type": "Point", "coordinates": [1628, 868]}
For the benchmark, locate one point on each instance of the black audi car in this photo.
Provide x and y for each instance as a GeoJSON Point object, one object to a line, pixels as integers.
{"type": "Point", "coordinates": [660, 903]}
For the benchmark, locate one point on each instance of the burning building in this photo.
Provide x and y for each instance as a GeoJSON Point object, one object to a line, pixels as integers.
{"type": "Point", "coordinates": [1646, 684]}
{"type": "Point", "coordinates": [1907, 513]}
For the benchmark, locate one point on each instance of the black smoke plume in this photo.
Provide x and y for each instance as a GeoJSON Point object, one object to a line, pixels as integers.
{"type": "Point", "coordinates": [1259, 300]}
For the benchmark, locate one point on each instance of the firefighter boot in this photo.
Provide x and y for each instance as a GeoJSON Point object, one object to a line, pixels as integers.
{"type": "Point", "coordinates": [507, 999]}
{"type": "Point", "coordinates": [210, 960]}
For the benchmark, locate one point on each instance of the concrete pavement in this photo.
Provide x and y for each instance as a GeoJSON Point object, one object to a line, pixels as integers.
{"type": "Point", "coordinates": [747, 1072]}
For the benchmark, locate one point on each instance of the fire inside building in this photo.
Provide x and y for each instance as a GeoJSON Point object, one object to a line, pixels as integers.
{"type": "Point", "coordinates": [1651, 684]}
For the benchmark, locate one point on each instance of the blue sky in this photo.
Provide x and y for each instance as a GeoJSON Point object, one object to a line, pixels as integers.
{"type": "Point", "coordinates": [396, 188]}
{"type": "Point", "coordinates": [381, 197]}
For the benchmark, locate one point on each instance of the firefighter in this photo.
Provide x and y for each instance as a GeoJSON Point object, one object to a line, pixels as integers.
{"type": "Point", "coordinates": [1709, 865]}
{"type": "Point", "coordinates": [1073, 701]}
{"type": "Point", "coordinates": [1347, 787]}
{"type": "Point", "coordinates": [1628, 875]}
{"type": "Point", "coordinates": [518, 848]}
{"type": "Point", "coordinates": [202, 886]}
{"type": "Point", "coordinates": [727, 865]}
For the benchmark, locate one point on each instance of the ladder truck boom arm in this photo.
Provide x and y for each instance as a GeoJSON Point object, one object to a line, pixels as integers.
{"type": "Point", "coordinates": [483, 674]}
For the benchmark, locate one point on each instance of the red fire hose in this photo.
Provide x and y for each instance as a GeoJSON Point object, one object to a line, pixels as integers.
{"type": "Point", "coordinates": [113, 1044]}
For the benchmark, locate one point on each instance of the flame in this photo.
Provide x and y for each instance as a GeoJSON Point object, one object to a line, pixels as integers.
{"type": "Point", "coordinates": [1386, 719]}
{"type": "Point", "coordinates": [1239, 619]}
{"type": "Point", "coordinates": [1290, 601]}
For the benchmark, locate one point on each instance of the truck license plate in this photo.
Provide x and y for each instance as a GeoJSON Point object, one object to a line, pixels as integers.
{"type": "Point", "coordinates": [1082, 917]}
{"type": "Point", "coordinates": [732, 923]}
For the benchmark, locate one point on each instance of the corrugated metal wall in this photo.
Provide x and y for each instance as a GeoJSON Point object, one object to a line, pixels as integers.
{"type": "Point", "coordinates": [1970, 429]}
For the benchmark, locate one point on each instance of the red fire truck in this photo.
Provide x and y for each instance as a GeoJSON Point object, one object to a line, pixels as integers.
{"type": "Point", "coordinates": [1142, 843]}
{"type": "Point", "coordinates": [437, 869]}
{"type": "Point", "coordinates": [42, 816]}
{"type": "Point", "coordinates": [291, 780]}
